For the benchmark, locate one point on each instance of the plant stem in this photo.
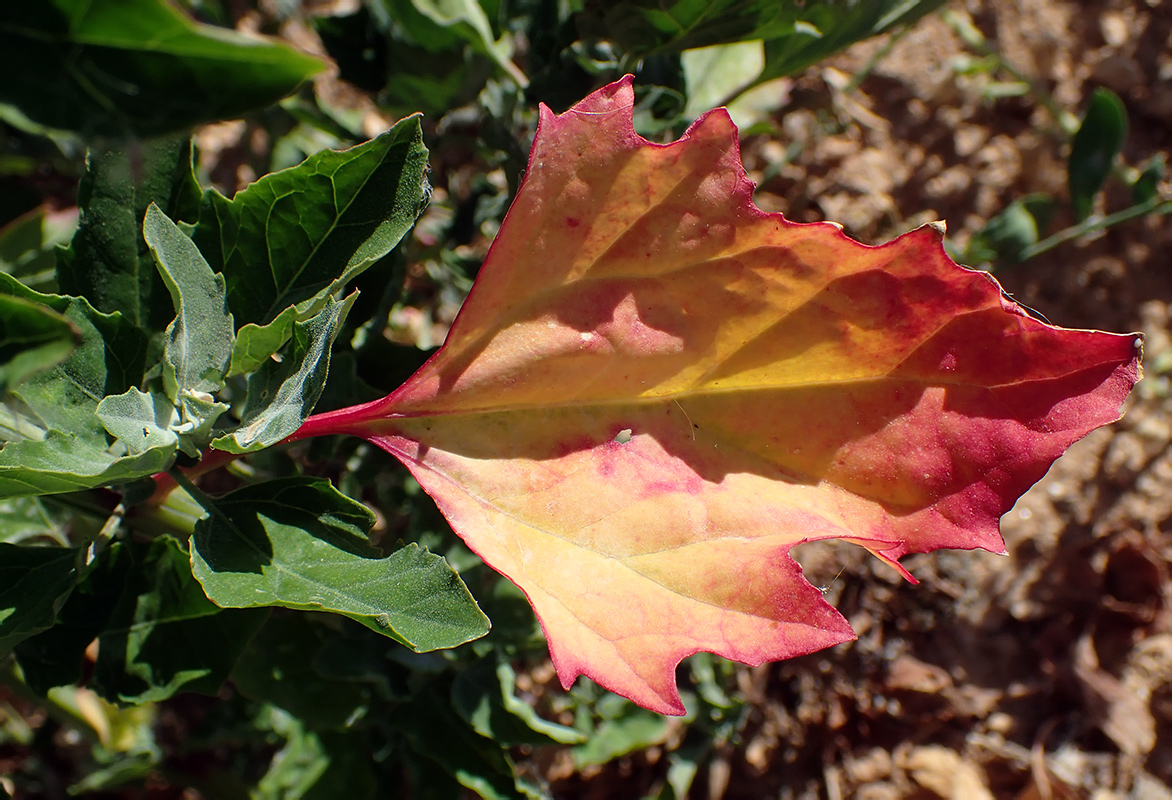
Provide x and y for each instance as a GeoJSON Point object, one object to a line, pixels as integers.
{"type": "Point", "coordinates": [1156, 205]}
{"type": "Point", "coordinates": [963, 27]}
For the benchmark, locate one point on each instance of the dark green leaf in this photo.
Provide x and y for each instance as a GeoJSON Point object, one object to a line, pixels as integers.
{"type": "Point", "coordinates": [33, 338]}
{"type": "Point", "coordinates": [54, 657]}
{"type": "Point", "coordinates": [796, 33]}
{"type": "Point", "coordinates": [108, 262]}
{"type": "Point", "coordinates": [1006, 237]}
{"type": "Point", "coordinates": [299, 543]}
{"type": "Point", "coordinates": [297, 236]}
{"type": "Point", "coordinates": [433, 730]}
{"type": "Point", "coordinates": [117, 67]}
{"type": "Point", "coordinates": [34, 582]}
{"type": "Point", "coordinates": [483, 696]}
{"type": "Point", "coordinates": [624, 728]}
{"type": "Point", "coordinates": [823, 29]}
{"type": "Point", "coordinates": [165, 636]}
{"type": "Point", "coordinates": [1096, 144]}
{"type": "Point", "coordinates": [315, 766]}
{"type": "Point", "coordinates": [199, 340]}
{"type": "Point", "coordinates": [54, 441]}
{"type": "Point", "coordinates": [282, 395]}
{"type": "Point", "coordinates": [277, 668]}
{"type": "Point", "coordinates": [1147, 186]}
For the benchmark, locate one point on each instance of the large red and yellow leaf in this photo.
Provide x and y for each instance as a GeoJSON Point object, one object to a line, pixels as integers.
{"type": "Point", "coordinates": [655, 390]}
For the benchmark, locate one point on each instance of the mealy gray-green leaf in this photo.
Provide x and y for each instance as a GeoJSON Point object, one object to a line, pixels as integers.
{"type": "Point", "coordinates": [199, 339]}
{"type": "Point", "coordinates": [165, 635]}
{"type": "Point", "coordinates": [33, 338]}
{"type": "Point", "coordinates": [135, 67]}
{"type": "Point", "coordinates": [34, 582]}
{"type": "Point", "coordinates": [299, 543]}
{"type": "Point", "coordinates": [297, 236]}
{"type": "Point", "coordinates": [142, 421]}
{"type": "Point", "coordinates": [53, 439]}
{"type": "Point", "coordinates": [282, 395]}
{"type": "Point", "coordinates": [108, 262]}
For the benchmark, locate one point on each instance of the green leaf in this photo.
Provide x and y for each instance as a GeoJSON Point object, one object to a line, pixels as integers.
{"type": "Point", "coordinates": [54, 657]}
{"type": "Point", "coordinates": [277, 667]}
{"type": "Point", "coordinates": [282, 395]}
{"type": "Point", "coordinates": [433, 730]}
{"type": "Point", "coordinates": [54, 441]}
{"type": "Point", "coordinates": [25, 518]}
{"type": "Point", "coordinates": [165, 636]}
{"type": "Point", "coordinates": [28, 245]}
{"type": "Point", "coordinates": [314, 766]}
{"type": "Point", "coordinates": [483, 696]}
{"type": "Point", "coordinates": [255, 344]}
{"type": "Point", "coordinates": [625, 727]}
{"type": "Point", "coordinates": [34, 582]}
{"type": "Point", "coordinates": [199, 340]}
{"type": "Point", "coordinates": [108, 262]}
{"type": "Point", "coordinates": [1147, 185]}
{"type": "Point", "coordinates": [297, 236]}
{"type": "Point", "coordinates": [33, 338]}
{"type": "Point", "coordinates": [299, 543]}
{"type": "Point", "coordinates": [142, 421]}
{"type": "Point", "coordinates": [135, 67]}
{"type": "Point", "coordinates": [823, 29]}
{"type": "Point", "coordinates": [796, 33]}
{"type": "Point", "coordinates": [1006, 237]}
{"type": "Point", "coordinates": [1096, 144]}
{"type": "Point", "coordinates": [714, 74]}
{"type": "Point", "coordinates": [435, 23]}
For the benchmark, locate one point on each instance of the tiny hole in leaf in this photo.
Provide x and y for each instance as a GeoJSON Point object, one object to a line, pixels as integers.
{"type": "Point", "coordinates": [624, 436]}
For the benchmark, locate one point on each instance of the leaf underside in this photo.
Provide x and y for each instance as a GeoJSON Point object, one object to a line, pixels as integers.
{"type": "Point", "coordinates": [773, 383]}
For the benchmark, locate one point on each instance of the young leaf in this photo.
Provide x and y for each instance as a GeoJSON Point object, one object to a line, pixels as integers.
{"type": "Point", "coordinates": [34, 582]}
{"type": "Point", "coordinates": [135, 67]}
{"type": "Point", "coordinates": [31, 518]}
{"type": "Point", "coordinates": [299, 543]}
{"type": "Point", "coordinates": [779, 383]}
{"type": "Point", "coordinates": [199, 340]}
{"type": "Point", "coordinates": [53, 439]}
{"type": "Point", "coordinates": [282, 395]}
{"type": "Point", "coordinates": [142, 421]}
{"type": "Point", "coordinates": [108, 262]}
{"type": "Point", "coordinates": [165, 636]}
{"type": "Point", "coordinates": [1096, 144]}
{"type": "Point", "coordinates": [297, 236]}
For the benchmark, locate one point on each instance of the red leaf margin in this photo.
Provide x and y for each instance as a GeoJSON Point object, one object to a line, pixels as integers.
{"type": "Point", "coordinates": [1089, 372]}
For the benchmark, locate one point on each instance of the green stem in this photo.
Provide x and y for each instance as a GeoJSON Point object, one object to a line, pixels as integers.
{"type": "Point", "coordinates": [963, 27]}
{"type": "Point", "coordinates": [1156, 205]}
